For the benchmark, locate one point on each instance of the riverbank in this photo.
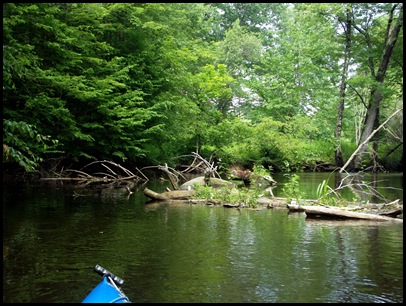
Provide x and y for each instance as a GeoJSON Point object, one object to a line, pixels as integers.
{"type": "Point", "coordinates": [371, 211]}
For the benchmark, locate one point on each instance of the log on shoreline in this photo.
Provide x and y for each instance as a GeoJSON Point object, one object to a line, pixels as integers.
{"type": "Point", "coordinates": [320, 212]}
{"type": "Point", "coordinates": [168, 195]}
{"type": "Point", "coordinates": [330, 212]}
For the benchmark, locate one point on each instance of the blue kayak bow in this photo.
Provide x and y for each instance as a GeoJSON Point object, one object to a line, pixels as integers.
{"type": "Point", "coordinates": [108, 290]}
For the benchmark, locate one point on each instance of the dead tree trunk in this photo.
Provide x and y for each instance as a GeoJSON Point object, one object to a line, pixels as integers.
{"type": "Point", "coordinates": [355, 154]}
{"type": "Point", "coordinates": [391, 36]}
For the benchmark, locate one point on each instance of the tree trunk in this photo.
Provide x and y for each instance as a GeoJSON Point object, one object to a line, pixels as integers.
{"type": "Point", "coordinates": [376, 94]}
{"type": "Point", "coordinates": [343, 85]}
{"type": "Point", "coordinates": [356, 152]}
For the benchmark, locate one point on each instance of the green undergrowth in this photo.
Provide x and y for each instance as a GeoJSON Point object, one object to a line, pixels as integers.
{"type": "Point", "coordinates": [237, 196]}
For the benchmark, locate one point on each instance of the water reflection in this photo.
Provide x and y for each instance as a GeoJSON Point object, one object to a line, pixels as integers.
{"type": "Point", "coordinates": [358, 268]}
{"type": "Point", "coordinates": [168, 252]}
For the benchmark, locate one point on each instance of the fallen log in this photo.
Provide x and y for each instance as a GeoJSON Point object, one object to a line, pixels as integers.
{"type": "Point", "coordinates": [203, 181]}
{"type": "Point", "coordinates": [168, 195]}
{"type": "Point", "coordinates": [320, 212]}
{"type": "Point", "coordinates": [341, 222]}
{"type": "Point", "coordinates": [330, 212]}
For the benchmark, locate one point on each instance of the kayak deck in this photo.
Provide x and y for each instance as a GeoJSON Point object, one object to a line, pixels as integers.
{"type": "Point", "coordinates": [108, 290]}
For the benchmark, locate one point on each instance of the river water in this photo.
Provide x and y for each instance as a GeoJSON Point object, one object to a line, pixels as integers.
{"type": "Point", "coordinates": [53, 237]}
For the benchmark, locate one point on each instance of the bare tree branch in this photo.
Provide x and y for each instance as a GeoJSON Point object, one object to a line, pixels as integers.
{"type": "Point", "coordinates": [366, 140]}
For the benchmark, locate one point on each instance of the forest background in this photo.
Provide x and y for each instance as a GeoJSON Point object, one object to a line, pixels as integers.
{"type": "Point", "coordinates": [285, 86]}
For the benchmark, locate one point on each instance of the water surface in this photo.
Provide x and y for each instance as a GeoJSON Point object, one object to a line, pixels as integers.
{"type": "Point", "coordinates": [52, 238]}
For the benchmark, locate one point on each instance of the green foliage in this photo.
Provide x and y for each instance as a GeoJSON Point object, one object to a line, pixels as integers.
{"type": "Point", "coordinates": [249, 197]}
{"type": "Point", "coordinates": [145, 82]}
{"type": "Point", "coordinates": [260, 170]}
{"type": "Point", "coordinates": [292, 188]}
{"type": "Point", "coordinates": [86, 98]}
{"type": "Point", "coordinates": [228, 140]}
{"type": "Point", "coordinates": [204, 192]}
{"type": "Point", "coordinates": [391, 155]}
{"type": "Point", "coordinates": [241, 196]}
{"type": "Point", "coordinates": [287, 145]}
{"type": "Point", "coordinates": [213, 88]}
{"type": "Point", "coordinates": [326, 195]}
{"type": "Point", "coordinates": [347, 147]}
{"type": "Point", "coordinates": [24, 145]}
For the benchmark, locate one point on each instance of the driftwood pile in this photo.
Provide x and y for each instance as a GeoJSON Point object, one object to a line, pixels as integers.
{"type": "Point", "coordinates": [103, 174]}
{"type": "Point", "coordinates": [107, 174]}
{"type": "Point", "coordinates": [372, 212]}
{"type": "Point", "coordinates": [199, 165]}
